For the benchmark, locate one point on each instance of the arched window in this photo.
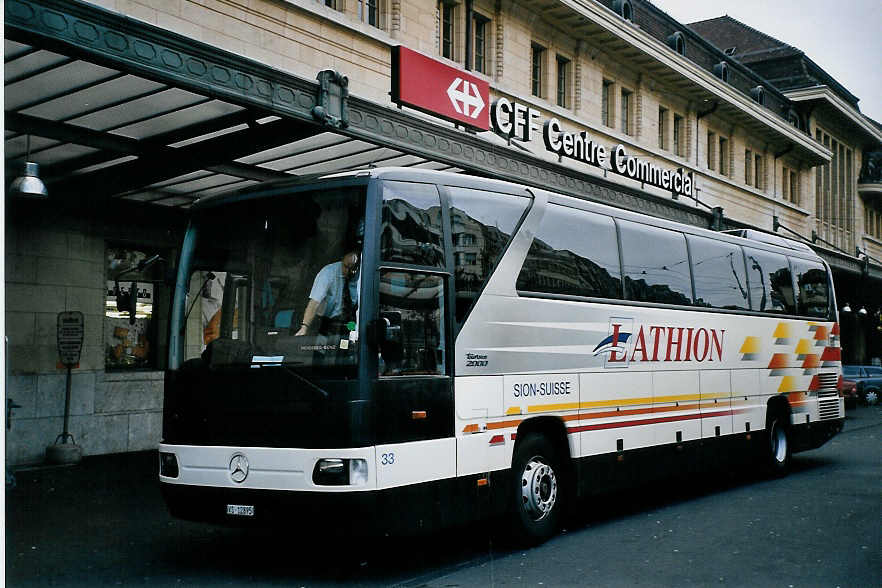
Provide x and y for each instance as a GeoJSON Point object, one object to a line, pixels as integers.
{"type": "Point", "coordinates": [759, 95]}
{"type": "Point", "coordinates": [677, 42]}
{"type": "Point", "coordinates": [623, 8]}
{"type": "Point", "coordinates": [721, 70]}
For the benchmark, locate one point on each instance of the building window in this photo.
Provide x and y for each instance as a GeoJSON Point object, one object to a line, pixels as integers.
{"type": "Point", "coordinates": [835, 193]}
{"type": "Point", "coordinates": [626, 111]}
{"type": "Point", "coordinates": [678, 135]}
{"type": "Point", "coordinates": [131, 331]}
{"type": "Point", "coordinates": [724, 156]}
{"type": "Point", "coordinates": [677, 42]}
{"type": "Point", "coordinates": [711, 149]}
{"type": "Point", "coordinates": [662, 127]}
{"type": "Point", "coordinates": [563, 81]}
{"type": "Point", "coordinates": [331, 4]}
{"type": "Point", "coordinates": [605, 102]}
{"type": "Point", "coordinates": [624, 9]}
{"type": "Point", "coordinates": [369, 12]}
{"type": "Point", "coordinates": [748, 167]}
{"type": "Point", "coordinates": [536, 70]}
{"type": "Point", "coordinates": [447, 30]}
{"type": "Point", "coordinates": [759, 94]}
{"type": "Point", "coordinates": [721, 70]}
{"type": "Point", "coordinates": [758, 172]}
{"type": "Point", "coordinates": [790, 185]}
{"type": "Point", "coordinates": [482, 25]}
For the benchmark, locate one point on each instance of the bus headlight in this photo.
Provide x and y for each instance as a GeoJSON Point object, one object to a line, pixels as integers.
{"type": "Point", "coordinates": [168, 465]}
{"type": "Point", "coordinates": [340, 472]}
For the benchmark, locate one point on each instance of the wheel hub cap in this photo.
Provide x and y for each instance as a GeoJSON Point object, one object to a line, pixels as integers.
{"type": "Point", "coordinates": [538, 489]}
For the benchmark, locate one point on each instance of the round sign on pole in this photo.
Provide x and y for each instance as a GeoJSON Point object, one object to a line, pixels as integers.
{"type": "Point", "coordinates": [70, 337]}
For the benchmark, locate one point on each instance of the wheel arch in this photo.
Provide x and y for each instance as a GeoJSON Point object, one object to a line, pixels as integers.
{"type": "Point", "coordinates": [552, 428]}
{"type": "Point", "coordinates": [779, 405]}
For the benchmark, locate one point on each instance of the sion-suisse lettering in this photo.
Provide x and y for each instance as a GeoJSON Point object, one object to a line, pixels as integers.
{"type": "Point", "coordinates": [658, 343]}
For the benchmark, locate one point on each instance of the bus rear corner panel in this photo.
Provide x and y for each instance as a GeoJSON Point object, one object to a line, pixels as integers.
{"type": "Point", "coordinates": [808, 436]}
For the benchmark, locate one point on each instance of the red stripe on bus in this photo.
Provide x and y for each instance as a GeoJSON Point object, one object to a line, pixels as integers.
{"type": "Point", "coordinates": [637, 423]}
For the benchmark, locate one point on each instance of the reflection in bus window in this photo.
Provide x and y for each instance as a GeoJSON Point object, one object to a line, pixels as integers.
{"type": "Point", "coordinates": [411, 231]}
{"type": "Point", "coordinates": [412, 304]}
{"type": "Point", "coordinates": [574, 253]}
{"type": "Point", "coordinates": [771, 287]}
{"type": "Point", "coordinates": [811, 279]}
{"type": "Point", "coordinates": [656, 264]}
{"type": "Point", "coordinates": [482, 225]}
{"type": "Point", "coordinates": [718, 270]}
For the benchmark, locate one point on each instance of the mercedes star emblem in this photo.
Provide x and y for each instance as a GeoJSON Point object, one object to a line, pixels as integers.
{"type": "Point", "coordinates": [238, 468]}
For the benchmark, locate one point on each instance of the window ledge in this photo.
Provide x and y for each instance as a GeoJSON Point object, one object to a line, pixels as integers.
{"type": "Point", "coordinates": [129, 375]}
{"type": "Point", "coordinates": [343, 20]}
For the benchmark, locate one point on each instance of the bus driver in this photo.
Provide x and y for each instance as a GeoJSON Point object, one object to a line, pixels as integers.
{"type": "Point", "coordinates": [334, 296]}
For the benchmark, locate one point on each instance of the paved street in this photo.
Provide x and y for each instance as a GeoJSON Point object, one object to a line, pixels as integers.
{"type": "Point", "coordinates": [103, 523]}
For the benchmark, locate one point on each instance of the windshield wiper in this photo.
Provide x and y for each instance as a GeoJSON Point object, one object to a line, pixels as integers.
{"type": "Point", "coordinates": [306, 381]}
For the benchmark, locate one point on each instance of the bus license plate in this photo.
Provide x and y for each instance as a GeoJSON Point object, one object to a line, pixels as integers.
{"type": "Point", "coordinates": [240, 510]}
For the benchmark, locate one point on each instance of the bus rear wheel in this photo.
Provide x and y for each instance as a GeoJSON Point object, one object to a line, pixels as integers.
{"type": "Point", "coordinates": [778, 446]}
{"type": "Point", "coordinates": [537, 493]}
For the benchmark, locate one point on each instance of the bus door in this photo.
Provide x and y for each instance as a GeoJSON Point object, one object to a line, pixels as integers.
{"type": "Point", "coordinates": [413, 391]}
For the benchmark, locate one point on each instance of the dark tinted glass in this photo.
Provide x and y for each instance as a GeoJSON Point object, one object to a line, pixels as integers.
{"type": "Point", "coordinates": [482, 225]}
{"type": "Point", "coordinates": [575, 252]}
{"type": "Point", "coordinates": [718, 270]}
{"type": "Point", "coordinates": [412, 304]}
{"type": "Point", "coordinates": [811, 280]}
{"type": "Point", "coordinates": [411, 231]}
{"type": "Point", "coordinates": [656, 264]}
{"type": "Point", "coordinates": [771, 289]}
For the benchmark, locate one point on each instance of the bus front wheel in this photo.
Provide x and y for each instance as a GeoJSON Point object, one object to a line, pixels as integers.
{"type": "Point", "coordinates": [537, 493]}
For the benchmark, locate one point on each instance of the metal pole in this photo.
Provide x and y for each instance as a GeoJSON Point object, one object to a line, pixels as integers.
{"type": "Point", "coordinates": [66, 433]}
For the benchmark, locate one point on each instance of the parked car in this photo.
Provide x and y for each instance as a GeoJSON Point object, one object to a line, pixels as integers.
{"type": "Point", "coordinates": [867, 382]}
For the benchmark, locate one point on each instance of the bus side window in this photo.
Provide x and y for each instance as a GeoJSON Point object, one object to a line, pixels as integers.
{"type": "Point", "coordinates": [718, 269]}
{"type": "Point", "coordinates": [482, 225]}
{"type": "Point", "coordinates": [811, 281]}
{"type": "Point", "coordinates": [574, 253]}
{"type": "Point", "coordinates": [411, 230]}
{"type": "Point", "coordinates": [656, 264]}
{"type": "Point", "coordinates": [412, 304]}
{"type": "Point", "coordinates": [771, 286]}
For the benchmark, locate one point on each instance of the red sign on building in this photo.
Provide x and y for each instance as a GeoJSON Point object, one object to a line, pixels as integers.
{"type": "Point", "coordinates": [423, 83]}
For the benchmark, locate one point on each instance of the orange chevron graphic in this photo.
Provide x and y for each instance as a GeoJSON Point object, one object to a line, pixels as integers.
{"type": "Point", "coordinates": [779, 360]}
{"type": "Point", "coordinates": [811, 361]}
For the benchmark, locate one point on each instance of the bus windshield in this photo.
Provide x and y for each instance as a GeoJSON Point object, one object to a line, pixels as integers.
{"type": "Point", "coordinates": [276, 281]}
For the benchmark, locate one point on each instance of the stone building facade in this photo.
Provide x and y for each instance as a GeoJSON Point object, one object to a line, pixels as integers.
{"type": "Point", "coordinates": [623, 71]}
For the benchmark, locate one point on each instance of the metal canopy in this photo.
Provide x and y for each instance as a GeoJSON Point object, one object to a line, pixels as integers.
{"type": "Point", "coordinates": [101, 132]}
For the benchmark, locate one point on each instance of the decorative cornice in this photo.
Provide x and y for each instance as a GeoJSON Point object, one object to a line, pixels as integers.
{"type": "Point", "coordinates": [828, 95]}
{"type": "Point", "coordinates": [643, 41]}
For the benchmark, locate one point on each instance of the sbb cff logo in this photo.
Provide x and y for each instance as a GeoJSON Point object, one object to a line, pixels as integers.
{"type": "Point", "coordinates": [420, 82]}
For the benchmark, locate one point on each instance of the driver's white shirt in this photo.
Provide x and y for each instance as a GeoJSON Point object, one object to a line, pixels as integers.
{"type": "Point", "coordinates": [327, 289]}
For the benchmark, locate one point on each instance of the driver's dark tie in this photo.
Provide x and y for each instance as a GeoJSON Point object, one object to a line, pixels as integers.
{"type": "Point", "coordinates": [348, 306]}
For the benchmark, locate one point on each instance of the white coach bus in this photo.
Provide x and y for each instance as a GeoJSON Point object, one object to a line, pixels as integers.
{"type": "Point", "coordinates": [407, 348]}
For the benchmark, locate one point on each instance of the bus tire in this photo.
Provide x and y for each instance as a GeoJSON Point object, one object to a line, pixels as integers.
{"type": "Point", "coordinates": [778, 446]}
{"type": "Point", "coordinates": [537, 497]}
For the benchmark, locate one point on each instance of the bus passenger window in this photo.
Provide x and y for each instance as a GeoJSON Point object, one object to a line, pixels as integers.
{"type": "Point", "coordinates": [412, 305]}
{"type": "Point", "coordinates": [482, 225]}
{"type": "Point", "coordinates": [718, 270]}
{"type": "Point", "coordinates": [411, 231]}
{"type": "Point", "coordinates": [574, 253]}
{"type": "Point", "coordinates": [771, 286]}
{"type": "Point", "coordinates": [656, 264]}
{"type": "Point", "coordinates": [811, 279]}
